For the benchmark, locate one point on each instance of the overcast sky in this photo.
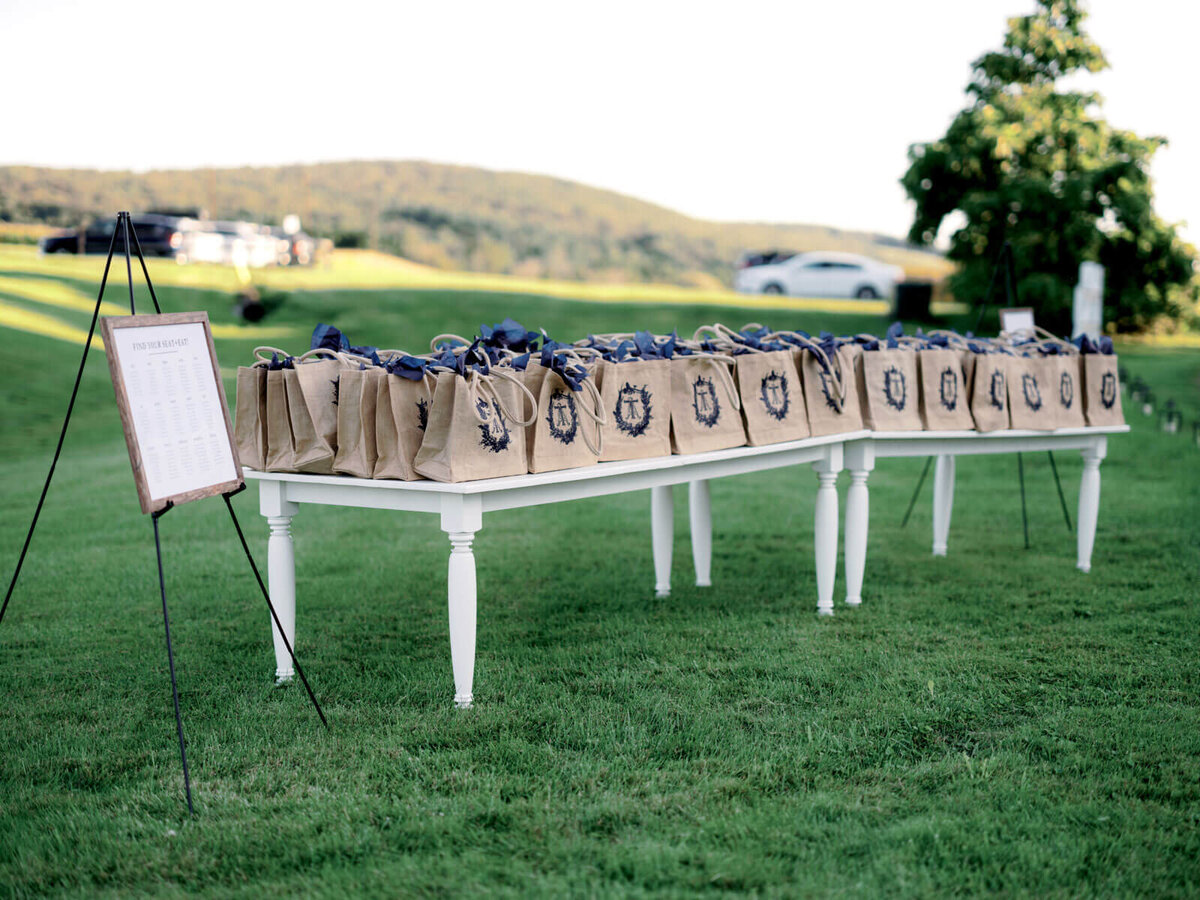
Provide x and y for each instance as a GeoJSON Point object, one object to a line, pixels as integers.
{"type": "Point", "coordinates": [798, 112]}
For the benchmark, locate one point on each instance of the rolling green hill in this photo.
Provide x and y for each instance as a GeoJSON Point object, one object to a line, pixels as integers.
{"type": "Point", "coordinates": [450, 217]}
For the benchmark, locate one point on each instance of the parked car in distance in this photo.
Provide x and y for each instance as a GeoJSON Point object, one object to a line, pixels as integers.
{"type": "Point", "coordinates": [762, 258]}
{"type": "Point", "coordinates": [157, 235]}
{"type": "Point", "coordinates": [821, 274]}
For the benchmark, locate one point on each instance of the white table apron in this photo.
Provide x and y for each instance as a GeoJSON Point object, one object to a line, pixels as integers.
{"type": "Point", "coordinates": [860, 456]}
{"type": "Point", "coordinates": [461, 508]}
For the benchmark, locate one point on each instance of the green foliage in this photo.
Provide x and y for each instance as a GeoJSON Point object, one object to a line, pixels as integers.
{"type": "Point", "coordinates": [450, 217]}
{"type": "Point", "coordinates": [992, 722]}
{"type": "Point", "coordinates": [1034, 164]}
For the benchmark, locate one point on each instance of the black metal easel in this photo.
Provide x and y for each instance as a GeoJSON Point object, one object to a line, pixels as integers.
{"type": "Point", "coordinates": [129, 235]}
{"type": "Point", "coordinates": [1005, 264]}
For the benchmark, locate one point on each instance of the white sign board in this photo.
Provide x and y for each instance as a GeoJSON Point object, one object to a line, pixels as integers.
{"type": "Point", "coordinates": [168, 385]}
{"type": "Point", "coordinates": [1017, 319]}
{"type": "Point", "coordinates": [1088, 309]}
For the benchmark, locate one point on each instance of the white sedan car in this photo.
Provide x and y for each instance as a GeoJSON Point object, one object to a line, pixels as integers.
{"type": "Point", "coordinates": [821, 274]}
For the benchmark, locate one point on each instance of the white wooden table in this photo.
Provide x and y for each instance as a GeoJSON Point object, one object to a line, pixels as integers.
{"type": "Point", "coordinates": [861, 453]}
{"type": "Point", "coordinates": [461, 508]}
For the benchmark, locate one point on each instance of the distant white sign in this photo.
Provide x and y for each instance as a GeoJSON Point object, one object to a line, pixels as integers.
{"type": "Point", "coordinates": [1016, 319]}
{"type": "Point", "coordinates": [1088, 312]}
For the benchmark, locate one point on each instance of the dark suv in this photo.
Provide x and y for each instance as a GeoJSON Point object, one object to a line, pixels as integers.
{"type": "Point", "coordinates": [158, 235]}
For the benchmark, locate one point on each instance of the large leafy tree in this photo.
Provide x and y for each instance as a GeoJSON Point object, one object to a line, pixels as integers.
{"type": "Point", "coordinates": [1035, 164]}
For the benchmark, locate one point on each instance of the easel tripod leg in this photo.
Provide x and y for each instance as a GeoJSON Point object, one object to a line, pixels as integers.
{"type": "Point", "coordinates": [162, 587]}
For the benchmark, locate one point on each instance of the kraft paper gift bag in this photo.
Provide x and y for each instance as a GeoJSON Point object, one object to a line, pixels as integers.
{"type": "Point", "coordinates": [943, 394]}
{"type": "Point", "coordinates": [705, 406]}
{"type": "Point", "coordinates": [281, 451]}
{"type": "Point", "coordinates": [830, 389]}
{"type": "Point", "coordinates": [402, 404]}
{"type": "Point", "coordinates": [311, 453]}
{"type": "Point", "coordinates": [1028, 393]}
{"type": "Point", "coordinates": [1066, 389]}
{"type": "Point", "coordinates": [317, 373]}
{"type": "Point", "coordinates": [635, 396]}
{"type": "Point", "coordinates": [1101, 387]}
{"type": "Point", "coordinates": [250, 416]}
{"type": "Point", "coordinates": [888, 388]}
{"type": "Point", "coordinates": [475, 428]}
{"type": "Point", "coordinates": [358, 391]}
{"type": "Point", "coordinates": [567, 420]}
{"type": "Point", "coordinates": [771, 396]}
{"type": "Point", "coordinates": [987, 388]}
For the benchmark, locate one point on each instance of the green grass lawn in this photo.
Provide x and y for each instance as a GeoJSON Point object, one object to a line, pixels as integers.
{"type": "Point", "coordinates": [993, 721]}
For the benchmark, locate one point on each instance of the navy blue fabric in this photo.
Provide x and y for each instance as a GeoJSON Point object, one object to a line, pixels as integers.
{"type": "Point", "coordinates": [288, 362]}
{"type": "Point", "coordinates": [410, 367]}
{"type": "Point", "coordinates": [509, 335]}
{"type": "Point", "coordinates": [1102, 345]}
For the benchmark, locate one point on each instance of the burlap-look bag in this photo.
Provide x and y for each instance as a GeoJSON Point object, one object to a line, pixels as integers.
{"type": "Point", "coordinates": [1066, 389]}
{"type": "Point", "coordinates": [401, 417]}
{"type": "Point", "coordinates": [987, 388]}
{"type": "Point", "coordinates": [831, 390]}
{"type": "Point", "coordinates": [705, 406]}
{"type": "Point", "coordinates": [474, 430]}
{"type": "Point", "coordinates": [311, 453]}
{"type": "Point", "coordinates": [887, 389]}
{"type": "Point", "coordinates": [317, 373]}
{"type": "Point", "coordinates": [1101, 390]}
{"type": "Point", "coordinates": [772, 397]}
{"type": "Point", "coordinates": [358, 391]}
{"type": "Point", "coordinates": [250, 416]}
{"type": "Point", "coordinates": [636, 399]}
{"type": "Point", "coordinates": [281, 453]}
{"type": "Point", "coordinates": [943, 395]}
{"type": "Point", "coordinates": [1029, 383]}
{"type": "Point", "coordinates": [566, 428]}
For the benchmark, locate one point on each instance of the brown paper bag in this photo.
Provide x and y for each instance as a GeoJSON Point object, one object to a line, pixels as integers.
{"type": "Point", "coordinates": [636, 399]}
{"type": "Point", "coordinates": [317, 372]}
{"type": "Point", "coordinates": [831, 390]}
{"type": "Point", "coordinates": [311, 453]}
{"type": "Point", "coordinates": [888, 389]}
{"type": "Point", "coordinates": [281, 452]}
{"type": "Point", "coordinates": [565, 431]}
{"type": "Point", "coordinates": [401, 417]}
{"type": "Point", "coordinates": [987, 388]}
{"type": "Point", "coordinates": [772, 398]}
{"type": "Point", "coordinates": [475, 430]}
{"type": "Point", "coordinates": [1029, 393]}
{"type": "Point", "coordinates": [705, 406]}
{"type": "Point", "coordinates": [943, 395]}
{"type": "Point", "coordinates": [1101, 390]}
{"type": "Point", "coordinates": [358, 391]}
{"type": "Point", "coordinates": [1066, 389]}
{"type": "Point", "coordinates": [250, 416]}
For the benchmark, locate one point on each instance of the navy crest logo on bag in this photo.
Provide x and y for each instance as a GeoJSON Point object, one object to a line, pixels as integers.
{"type": "Point", "coordinates": [895, 388]}
{"type": "Point", "coordinates": [1066, 390]}
{"type": "Point", "coordinates": [632, 412]}
{"type": "Point", "coordinates": [494, 429]}
{"type": "Point", "coordinates": [704, 402]}
{"type": "Point", "coordinates": [996, 390]}
{"type": "Point", "coordinates": [948, 388]}
{"type": "Point", "coordinates": [337, 388]}
{"type": "Point", "coordinates": [827, 390]}
{"type": "Point", "coordinates": [561, 416]}
{"type": "Point", "coordinates": [422, 414]}
{"type": "Point", "coordinates": [774, 394]}
{"type": "Point", "coordinates": [1033, 395]}
{"type": "Point", "coordinates": [1108, 390]}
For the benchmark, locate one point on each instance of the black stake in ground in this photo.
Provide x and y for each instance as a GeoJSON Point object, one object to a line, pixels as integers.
{"type": "Point", "coordinates": [917, 492]}
{"type": "Point", "coordinates": [271, 606]}
{"type": "Point", "coordinates": [1024, 514]}
{"type": "Point", "coordinates": [1061, 498]}
{"type": "Point", "coordinates": [162, 587]}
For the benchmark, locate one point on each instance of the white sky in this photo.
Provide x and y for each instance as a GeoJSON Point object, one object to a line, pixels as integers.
{"type": "Point", "coordinates": [797, 112]}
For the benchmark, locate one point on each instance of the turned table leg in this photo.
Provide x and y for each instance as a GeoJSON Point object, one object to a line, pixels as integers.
{"type": "Point", "coordinates": [281, 571]}
{"type": "Point", "coordinates": [1089, 502]}
{"type": "Point", "coordinates": [700, 512]}
{"type": "Point", "coordinates": [860, 460]}
{"type": "Point", "coordinates": [662, 531]}
{"type": "Point", "coordinates": [943, 502]}
{"type": "Point", "coordinates": [825, 526]}
{"type": "Point", "coordinates": [461, 520]}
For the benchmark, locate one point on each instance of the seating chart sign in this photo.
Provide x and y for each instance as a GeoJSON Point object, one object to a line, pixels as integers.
{"type": "Point", "coordinates": [168, 386]}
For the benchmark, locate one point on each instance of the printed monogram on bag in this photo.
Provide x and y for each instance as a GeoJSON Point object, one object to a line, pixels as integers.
{"type": "Point", "coordinates": [948, 388]}
{"type": "Point", "coordinates": [494, 429]}
{"type": "Point", "coordinates": [337, 388]}
{"type": "Point", "coordinates": [422, 414]}
{"type": "Point", "coordinates": [1108, 390]}
{"type": "Point", "coordinates": [1033, 395]}
{"type": "Point", "coordinates": [632, 413]}
{"type": "Point", "coordinates": [561, 417]}
{"type": "Point", "coordinates": [827, 390]}
{"type": "Point", "coordinates": [704, 401]}
{"type": "Point", "coordinates": [1066, 390]}
{"type": "Point", "coordinates": [774, 394]}
{"type": "Point", "coordinates": [895, 388]}
{"type": "Point", "coordinates": [996, 390]}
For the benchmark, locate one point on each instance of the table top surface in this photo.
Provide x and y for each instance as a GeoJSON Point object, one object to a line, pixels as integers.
{"type": "Point", "coordinates": [655, 463]}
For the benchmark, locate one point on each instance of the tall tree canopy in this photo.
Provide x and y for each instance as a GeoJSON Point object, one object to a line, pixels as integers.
{"type": "Point", "coordinates": [1036, 165]}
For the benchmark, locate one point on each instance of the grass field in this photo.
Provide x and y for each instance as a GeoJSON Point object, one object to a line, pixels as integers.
{"type": "Point", "coordinates": [989, 722]}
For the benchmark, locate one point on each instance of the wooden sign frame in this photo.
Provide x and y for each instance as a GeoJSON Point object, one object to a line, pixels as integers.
{"type": "Point", "coordinates": [108, 326]}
